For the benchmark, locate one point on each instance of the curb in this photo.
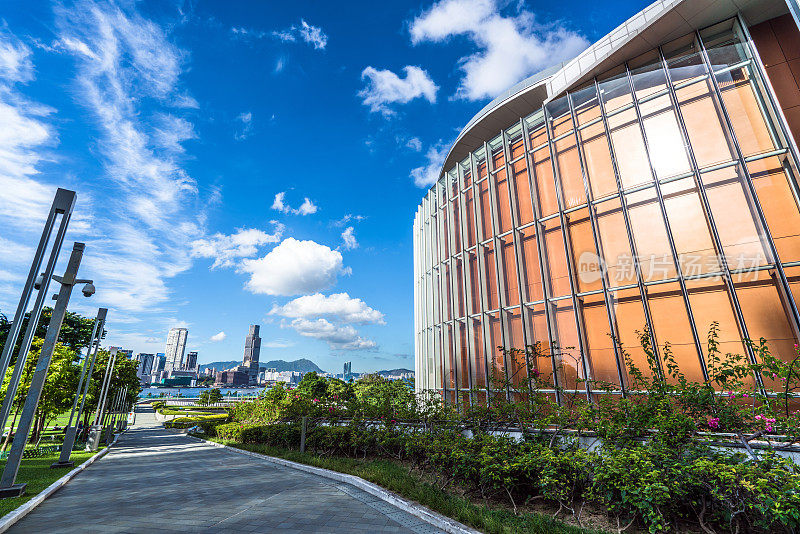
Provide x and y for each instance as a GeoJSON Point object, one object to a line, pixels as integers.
{"type": "Point", "coordinates": [8, 520]}
{"type": "Point", "coordinates": [429, 516]}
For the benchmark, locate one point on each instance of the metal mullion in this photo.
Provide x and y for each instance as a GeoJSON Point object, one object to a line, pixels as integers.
{"type": "Point", "coordinates": [723, 260]}
{"type": "Point", "coordinates": [670, 238]}
{"type": "Point", "coordinates": [439, 295]}
{"type": "Point", "coordinates": [567, 250]}
{"type": "Point", "coordinates": [543, 272]}
{"type": "Point", "coordinates": [512, 183]}
{"type": "Point", "coordinates": [756, 157]}
{"type": "Point", "coordinates": [784, 288]}
{"type": "Point", "coordinates": [597, 244]}
{"type": "Point", "coordinates": [499, 275]}
{"type": "Point", "coordinates": [417, 297]}
{"type": "Point", "coordinates": [479, 215]}
{"type": "Point", "coordinates": [453, 286]}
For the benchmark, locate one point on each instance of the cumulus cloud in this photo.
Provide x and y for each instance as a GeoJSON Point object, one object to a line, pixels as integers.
{"type": "Point", "coordinates": [294, 268]}
{"type": "Point", "coordinates": [384, 87]}
{"type": "Point", "coordinates": [218, 337]}
{"type": "Point", "coordinates": [349, 238]}
{"type": "Point", "coordinates": [338, 337]}
{"type": "Point", "coordinates": [340, 307]}
{"type": "Point", "coordinates": [426, 175]}
{"type": "Point", "coordinates": [509, 47]}
{"type": "Point", "coordinates": [348, 218]}
{"type": "Point", "coordinates": [306, 208]}
{"type": "Point", "coordinates": [227, 249]}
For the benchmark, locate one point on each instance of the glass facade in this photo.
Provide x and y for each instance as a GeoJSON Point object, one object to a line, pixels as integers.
{"type": "Point", "coordinates": [661, 196]}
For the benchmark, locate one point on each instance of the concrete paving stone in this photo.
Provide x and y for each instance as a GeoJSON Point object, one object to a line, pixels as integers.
{"type": "Point", "coordinates": [155, 480]}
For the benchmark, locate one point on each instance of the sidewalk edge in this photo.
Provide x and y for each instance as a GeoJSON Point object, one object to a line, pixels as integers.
{"type": "Point", "coordinates": [422, 512]}
{"type": "Point", "coordinates": [8, 520]}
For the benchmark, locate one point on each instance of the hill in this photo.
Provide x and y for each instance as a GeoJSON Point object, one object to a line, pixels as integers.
{"type": "Point", "coordinates": [394, 372]}
{"type": "Point", "coordinates": [302, 365]}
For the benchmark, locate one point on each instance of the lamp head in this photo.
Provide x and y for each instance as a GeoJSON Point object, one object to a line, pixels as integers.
{"type": "Point", "coordinates": [39, 281]}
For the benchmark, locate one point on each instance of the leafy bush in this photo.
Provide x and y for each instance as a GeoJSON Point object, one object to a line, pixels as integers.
{"type": "Point", "coordinates": [188, 422]}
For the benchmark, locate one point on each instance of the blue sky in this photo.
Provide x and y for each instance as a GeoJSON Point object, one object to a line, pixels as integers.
{"type": "Point", "coordinates": [253, 162]}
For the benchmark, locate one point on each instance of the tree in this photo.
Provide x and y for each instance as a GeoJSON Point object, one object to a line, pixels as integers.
{"type": "Point", "coordinates": [75, 332]}
{"type": "Point", "coordinates": [209, 396]}
{"type": "Point", "coordinates": [124, 375]}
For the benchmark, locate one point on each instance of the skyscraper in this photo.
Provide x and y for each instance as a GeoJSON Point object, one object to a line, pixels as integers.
{"type": "Point", "coordinates": [252, 351]}
{"type": "Point", "coordinates": [348, 371]}
{"type": "Point", "coordinates": [176, 346]}
{"type": "Point", "coordinates": [191, 361]}
{"type": "Point", "coordinates": [146, 363]}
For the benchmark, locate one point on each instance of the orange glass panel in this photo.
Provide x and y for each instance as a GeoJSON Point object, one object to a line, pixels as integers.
{"type": "Point", "coordinates": [448, 356]}
{"type": "Point", "coordinates": [599, 342]}
{"type": "Point", "coordinates": [467, 179]}
{"type": "Point", "coordinates": [503, 203]}
{"type": "Point", "coordinates": [584, 253]}
{"type": "Point", "coordinates": [444, 233]}
{"type": "Point", "coordinates": [478, 363]}
{"type": "Point", "coordinates": [649, 78]}
{"type": "Point", "coordinates": [455, 218]}
{"type": "Point", "coordinates": [615, 90]}
{"type": "Point", "coordinates": [516, 147]}
{"type": "Point", "coordinates": [469, 216]}
{"type": "Point", "coordinates": [536, 323]}
{"type": "Point", "coordinates": [497, 365]}
{"type": "Point", "coordinates": [690, 231]}
{"type": "Point", "coordinates": [482, 171]}
{"type": "Point", "coordinates": [631, 156]}
{"type": "Point", "coordinates": [463, 355]}
{"type": "Point", "coordinates": [538, 136]}
{"type": "Point", "coordinates": [509, 264]}
{"type": "Point", "coordinates": [616, 250]}
{"type": "Point", "coordinates": [650, 236]}
{"type": "Point", "coordinates": [557, 268]}
{"type": "Point", "coordinates": [741, 102]}
{"type": "Point", "coordinates": [523, 192]}
{"type": "Point", "coordinates": [561, 121]}
{"type": "Point", "coordinates": [631, 322]}
{"type": "Point", "coordinates": [766, 316]}
{"type": "Point", "coordinates": [710, 302]}
{"type": "Point", "coordinates": [446, 292]}
{"type": "Point", "coordinates": [597, 159]}
{"type": "Point", "coordinates": [667, 150]}
{"type": "Point", "coordinates": [473, 288]}
{"type": "Point", "coordinates": [458, 303]}
{"type": "Point", "coordinates": [671, 326]}
{"type": "Point", "coordinates": [485, 221]}
{"type": "Point", "coordinates": [518, 369]}
{"type": "Point", "coordinates": [739, 231]}
{"type": "Point", "coordinates": [704, 124]}
{"type": "Point", "coordinates": [778, 202]}
{"type": "Point", "coordinates": [531, 272]}
{"type": "Point", "coordinates": [569, 172]}
{"type": "Point", "coordinates": [567, 348]}
{"type": "Point", "coordinates": [545, 186]}
{"type": "Point", "coordinates": [490, 272]}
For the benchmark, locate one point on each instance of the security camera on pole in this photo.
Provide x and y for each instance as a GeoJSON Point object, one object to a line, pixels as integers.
{"type": "Point", "coordinates": [7, 486]}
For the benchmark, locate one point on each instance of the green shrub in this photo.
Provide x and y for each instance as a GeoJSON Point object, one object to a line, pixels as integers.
{"type": "Point", "coordinates": [188, 422]}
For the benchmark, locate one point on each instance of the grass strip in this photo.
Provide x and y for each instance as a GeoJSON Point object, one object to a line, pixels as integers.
{"type": "Point", "coordinates": [36, 472]}
{"type": "Point", "coordinates": [395, 477]}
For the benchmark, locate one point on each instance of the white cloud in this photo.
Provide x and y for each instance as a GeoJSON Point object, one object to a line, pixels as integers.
{"type": "Point", "coordinates": [347, 218]}
{"type": "Point", "coordinates": [294, 268]}
{"type": "Point", "coordinates": [349, 238]}
{"type": "Point", "coordinates": [278, 344]}
{"type": "Point", "coordinates": [338, 337]}
{"type": "Point", "coordinates": [15, 61]}
{"type": "Point", "coordinates": [306, 208]}
{"type": "Point", "coordinates": [305, 32]}
{"type": "Point", "coordinates": [427, 175]}
{"type": "Point", "coordinates": [414, 144]}
{"type": "Point", "coordinates": [339, 307]}
{"type": "Point", "coordinates": [245, 126]}
{"type": "Point", "coordinates": [384, 87]}
{"type": "Point", "coordinates": [509, 48]}
{"type": "Point", "coordinates": [227, 249]}
{"type": "Point", "coordinates": [218, 337]}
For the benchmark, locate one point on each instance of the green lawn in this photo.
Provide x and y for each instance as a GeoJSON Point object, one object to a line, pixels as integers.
{"type": "Point", "coordinates": [396, 477]}
{"type": "Point", "coordinates": [38, 475]}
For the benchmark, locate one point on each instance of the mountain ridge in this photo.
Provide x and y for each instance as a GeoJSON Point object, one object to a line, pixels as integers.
{"type": "Point", "coordinates": [303, 365]}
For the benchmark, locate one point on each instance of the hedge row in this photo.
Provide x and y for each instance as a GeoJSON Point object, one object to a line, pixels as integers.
{"type": "Point", "coordinates": [659, 485]}
{"type": "Point", "coordinates": [204, 421]}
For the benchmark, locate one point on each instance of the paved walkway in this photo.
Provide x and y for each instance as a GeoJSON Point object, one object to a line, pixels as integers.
{"type": "Point", "coordinates": [153, 480]}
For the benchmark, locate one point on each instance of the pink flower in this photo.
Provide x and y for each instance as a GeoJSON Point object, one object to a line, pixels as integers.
{"type": "Point", "coordinates": [731, 394]}
{"type": "Point", "coordinates": [745, 395]}
{"type": "Point", "coordinates": [713, 422]}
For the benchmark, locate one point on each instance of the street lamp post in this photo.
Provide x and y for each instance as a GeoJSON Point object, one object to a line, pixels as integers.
{"type": "Point", "coordinates": [7, 486]}
{"type": "Point", "coordinates": [94, 439]}
{"type": "Point", "coordinates": [94, 345]}
{"type": "Point", "coordinates": [63, 203]}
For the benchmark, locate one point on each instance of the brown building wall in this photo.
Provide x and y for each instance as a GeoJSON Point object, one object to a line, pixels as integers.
{"type": "Point", "coordinates": [778, 43]}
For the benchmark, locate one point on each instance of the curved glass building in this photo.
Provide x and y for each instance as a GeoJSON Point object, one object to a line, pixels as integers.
{"type": "Point", "coordinates": [650, 184]}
